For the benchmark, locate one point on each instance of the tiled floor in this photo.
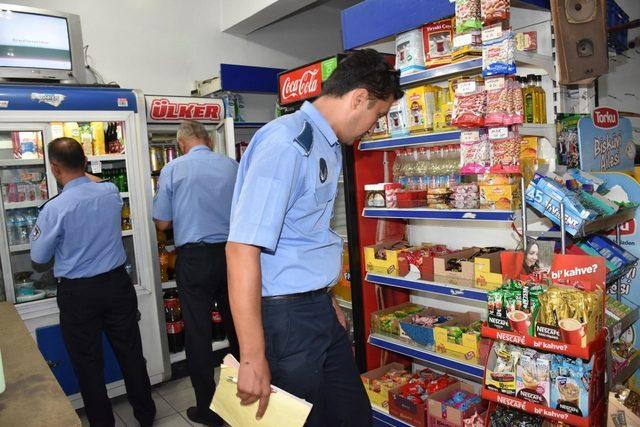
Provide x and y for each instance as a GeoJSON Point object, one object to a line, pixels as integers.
{"type": "Point", "coordinates": [172, 399]}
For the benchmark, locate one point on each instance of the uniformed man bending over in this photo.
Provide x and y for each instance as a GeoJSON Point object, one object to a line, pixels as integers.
{"type": "Point", "coordinates": [282, 256]}
{"type": "Point", "coordinates": [194, 195]}
{"type": "Point", "coordinates": [80, 229]}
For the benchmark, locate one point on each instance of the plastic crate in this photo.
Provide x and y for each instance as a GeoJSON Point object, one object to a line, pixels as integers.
{"type": "Point", "coordinates": [618, 40]}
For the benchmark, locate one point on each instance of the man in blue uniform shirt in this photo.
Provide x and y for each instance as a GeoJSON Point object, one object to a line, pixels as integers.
{"type": "Point", "coordinates": [282, 256]}
{"type": "Point", "coordinates": [80, 230]}
{"type": "Point", "coordinates": [194, 195]}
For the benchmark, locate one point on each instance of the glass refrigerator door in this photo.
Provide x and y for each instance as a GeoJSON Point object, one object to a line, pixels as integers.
{"type": "Point", "coordinates": [24, 188]}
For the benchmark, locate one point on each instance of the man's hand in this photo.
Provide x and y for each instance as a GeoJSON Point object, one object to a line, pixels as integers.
{"type": "Point", "coordinates": [339, 313]}
{"type": "Point", "coordinates": [254, 382]}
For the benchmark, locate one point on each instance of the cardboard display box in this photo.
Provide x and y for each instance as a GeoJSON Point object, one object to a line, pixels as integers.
{"type": "Point", "coordinates": [488, 271]}
{"type": "Point", "coordinates": [424, 335]}
{"type": "Point", "coordinates": [379, 393]}
{"type": "Point", "coordinates": [385, 322]}
{"type": "Point", "coordinates": [460, 278]}
{"type": "Point", "coordinates": [469, 349]}
{"type": "Point", "coordinates": [447, 416]}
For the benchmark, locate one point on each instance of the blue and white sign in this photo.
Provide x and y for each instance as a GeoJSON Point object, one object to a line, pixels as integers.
{"type": "Point", "coordinates": [606, 142]}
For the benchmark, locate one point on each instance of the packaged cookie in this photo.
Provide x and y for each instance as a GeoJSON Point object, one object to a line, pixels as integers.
{"type": "Point", "coordinates": [468, 15]}
{"type": "Point", "coordinates": [492, 11]}
{"type": "Point", "coordinates": [469, 104]}
{"type": "Point", "coordinates": [474, 152]}
{"type": "Point", "coordinates": [498, 54]}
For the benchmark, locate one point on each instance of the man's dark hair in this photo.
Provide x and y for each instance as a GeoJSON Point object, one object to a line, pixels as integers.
{"type": "Point", "coordinates": [364, 69]}
{"type": "Point", "coordinates": [67, 152]}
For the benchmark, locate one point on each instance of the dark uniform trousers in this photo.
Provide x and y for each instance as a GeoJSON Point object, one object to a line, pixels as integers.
{"type": "Point", "coordinates": [88, 306]}
{"type": "Point", "coordinates": [201, 276]}
{"type": "Point", "coordinates": [310, 355]}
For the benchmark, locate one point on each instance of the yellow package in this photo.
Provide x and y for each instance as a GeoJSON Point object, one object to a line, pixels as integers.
{"type": "Point", "coordinates": [57, 130]}
{"type": "Point", "coordinates": [421, 104]}
{"type": "Point", "coordinates": [72, 130]}
{"type": "Point", "coordinates": [529, 147]}
{"type": "Point", "coordinates": [504, 197]}
{"type": "Point", "coordinates": [97, 131]}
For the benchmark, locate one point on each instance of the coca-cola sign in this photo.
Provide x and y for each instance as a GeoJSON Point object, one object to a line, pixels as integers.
{"type": "Point", "coordinates": [605, 118]}
{"type": "Point", "coordinates": [162, 109]}
{"type": "Point", "coordinates": [300, 84]}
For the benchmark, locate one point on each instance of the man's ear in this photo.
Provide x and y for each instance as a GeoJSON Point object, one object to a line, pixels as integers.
{"type": "Point", "coordinates": [359, 97]}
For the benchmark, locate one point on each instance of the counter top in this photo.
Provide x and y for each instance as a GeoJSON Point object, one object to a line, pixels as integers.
{"type": "Point", "coordinates": [33, 396]}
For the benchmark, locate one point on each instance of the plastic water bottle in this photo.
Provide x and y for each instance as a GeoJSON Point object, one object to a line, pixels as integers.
{"type": "Point", "coordinates": [31, 219]}
{"type": "Point", "coordinates": [22, 231]}
{"type": "Point", "coordinates": [12, 230]}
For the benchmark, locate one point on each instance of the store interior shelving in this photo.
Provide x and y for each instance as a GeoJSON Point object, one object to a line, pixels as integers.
{"type": "Point", "coordinates": [441, 214]}
{"type": "Point", "coordinates": [462, 292]}
{"type": "Point", "coordinates": [216, 345]}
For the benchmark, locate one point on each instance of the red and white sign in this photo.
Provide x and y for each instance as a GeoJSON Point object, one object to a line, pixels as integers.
{"type": "Point", "coordinates": [605, 118]}
{"type": "Point", "coordinates": [626, 229]}
{"type": "Point", "coordinates": [300, 84]}
{"type": "Point", "coordinates": [166, 109]}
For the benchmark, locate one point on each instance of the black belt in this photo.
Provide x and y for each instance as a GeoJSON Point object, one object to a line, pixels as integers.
{"type": "Point", "coordinates": [321, 291]}
{"type": "Point", "coordinates": [199, 245]}
{"type": "Point", "coordinates": [101, 276]}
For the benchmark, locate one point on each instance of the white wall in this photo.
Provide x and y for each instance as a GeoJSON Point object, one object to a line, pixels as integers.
{"type": "Point", "coordinates": [162, 46]}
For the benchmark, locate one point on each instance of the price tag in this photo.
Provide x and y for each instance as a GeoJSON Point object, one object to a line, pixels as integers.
{"type": "Point", "coordinates": [462, 40]}
{"type": "Point", "coordinates": [499, 133]}
{"type": "Point", "coordinates": [491, 33]}
{"type": "Point", "coordinates": [464, 88]}
{"type": "Point", "coordinates": [469, 136]}
{"type": "Point", "coordinates": [96, 166]}
{"type": "Point", "coordinates": [495, 83]}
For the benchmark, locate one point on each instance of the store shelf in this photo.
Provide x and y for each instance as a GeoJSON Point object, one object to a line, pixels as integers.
{"type": "Point", "coordinates": [440, 214]}
{"type": "Point", "coordinates": [126, 233]}
{"type": "Point", "coordinates": [411, 141]}
{"type": "Point", "coordinates": [547, 131]}
{"type": "Point", "coordinates": [344, 303]}
{"type": "Point", "coordinates": [107, 158]}
{"type": "Point", "coordinates": [607, 223]}
{"type": "Point", "coordinates": [615, 330]}
{"type": "Point", "coordinates": [453, 366]}
{"type": "Point", "coordinates": [216, 345]}
{"type": "Point", "coordinates": [20, 248]}
{"type": "Point", "coordinates": [23, 205]}
{"type": "Point", "coordinates": [430, 287]}
{"type": "Point", "coordinates": [473, 66]}
{"type": "Point", "coordinates": [545, 344]}
{"type": "Point", "coordinates": [383, 417]}
{"type": "Point", "coordinates": [628, 371]}
{"type": "Point", "coordinates": [169, 285]}
{"type": "Point", "coordinates": [544, 411]}
{"type": "Point", "coordinates": [21, 162]}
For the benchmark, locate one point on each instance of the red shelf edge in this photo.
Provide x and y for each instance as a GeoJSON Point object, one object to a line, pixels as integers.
{"type": "Point", "coordinates": [543, 411]}
{"type": "Point", "coordinates": [545, 344]}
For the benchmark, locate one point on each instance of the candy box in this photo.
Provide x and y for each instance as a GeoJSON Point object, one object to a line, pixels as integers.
{"type": "Point", "coordinates": [460, 344]}
{"type": "Point", "coordinates": [438, 42]}
{"type": "Point", "coordinates": [445, 268]}
{"type": "Point", "coordinates": [387, 321]}
{"type": "Point", "coordinates": [378, 382]}
{"type": "Point", "coordinates": [409, 402]}
{"type": "Point", "coordinates": [409, 52]}
{"type": "Point", "coordinates": [412, 198]}
{"type": "Point", "coordinates": [423, 334]}
{"type": "Point", "coordinates": [496, 179]}
{"type": "Point", "coordinates": [418, 264]}
{"type": "Point", "coordinates": [421, 106]}
{"type": "Point", "coordinates": [487, 271]}
{"type": "Point", "coordinates": [383, 258]}
{"type": "Point", "coordinates": [443, 413]}
{"type": "Point", "coordinates": [504, 197]}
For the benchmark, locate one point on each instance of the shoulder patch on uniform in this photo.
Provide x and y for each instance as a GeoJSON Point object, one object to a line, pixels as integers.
{"type": "Point", "coordinates": [42, 205]}
{"type": "Point", "coordinates": [35, 233]}
{"type": "Point", "coordinates": [305, 138]}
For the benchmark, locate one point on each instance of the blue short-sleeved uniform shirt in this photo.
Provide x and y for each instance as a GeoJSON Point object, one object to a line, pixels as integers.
{"type": "Point", "coordinates": [81, 228]}
{"type": "Point", "coordinates": [195, 192]}
{"type": "Point", "coordinates": [283, 202]}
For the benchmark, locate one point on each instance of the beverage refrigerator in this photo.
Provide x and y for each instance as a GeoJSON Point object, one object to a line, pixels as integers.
{"type": "Point", "coordinates": [164, 114]}
{"type": "Point", "coordinates": [111, 126]}
{"type": "Point", "coordinates": [304, 84]}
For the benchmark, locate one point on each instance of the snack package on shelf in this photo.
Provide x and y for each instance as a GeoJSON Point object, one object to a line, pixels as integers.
{"type": "Point", "coordinates": [380, 381]}
{"type": "Point", "coordinates": [508, 417]}
{"type": "Point", "coordinates": [493, 11]}
{"type": "Point", "coordinates": [382, 258]}
{"type": "Point", "coordinates": [615, 310]}
{"type": "Point", "coordinates": [380, 129]}
{"type": "Point", "coordinates": [421, 106]}
{"type": "Point", "coordinates": [475, 152]}
{"type": "Point", "coordinates": [409, 52]}
{"type": "Point", "coordinates": [411, 198]}
{"type": "Point", "coordinates": [570, 384]}
{"type": "Point", "coordinates": [387, 321]}
{"type": "Point", "coordinates": [444, 111]}
{"type": "Point", "coordinates": [398, 118]}
{"type": "Point", "coordinates": [514, 307]}
{"type": "Point", "coordinates": [418, 263]}
{"type": "Point", "coordinates": [498, 55]}
{"type": "Point", "coordinates": [500, 196]}
{"type": "Point", "coordinates": [527, 41]}
{"type": "Point", "coordinates": [469, 105]}
{"type": "Point", "coordinates": [438, 198]}
{"type": "Point", "coordinates": [616, 256]}
{"type": "Point", "coordinates": [533, 382]}
{"type": "Point", "coordinates": [460, 338]}
{"type": "Point", "coordinates": [455, 404]}
{"type": "Point", "coordinates": [505, 150]}
{"type": "Point", "coordinates": [419, 327]}
{"type": "Point", "coordinates": [500, 373]}
{"type": "Point", "coordinates": [438, 42]}
{"type": "Point", "coordinates": [496, 179]}
{"type": "Point", "coordinates": [409, 402]}
{"type": "Point", "coordinates": [465, 196]}
{"type": "Point", "coordinates": [468, 16]}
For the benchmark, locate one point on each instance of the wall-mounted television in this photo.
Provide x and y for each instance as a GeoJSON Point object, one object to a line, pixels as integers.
{"type": "Point", "coordinates": [39, 44]}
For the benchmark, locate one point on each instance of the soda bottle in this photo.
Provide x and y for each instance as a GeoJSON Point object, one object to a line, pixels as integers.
{"type": "Point", "coordinates": [125, 184]}
{"type": "Point", "coordinates": [217, 323]}
{"type": "Point", "coordinates": [173, 319]}
{"type": "Point", "coordinates": [164, 262]}
{"type": "Point", "coordinates": [126, 216]}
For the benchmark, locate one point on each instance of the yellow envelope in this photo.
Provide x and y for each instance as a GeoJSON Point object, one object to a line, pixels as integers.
{"type": "Point", "coordinates": [282, 405]}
